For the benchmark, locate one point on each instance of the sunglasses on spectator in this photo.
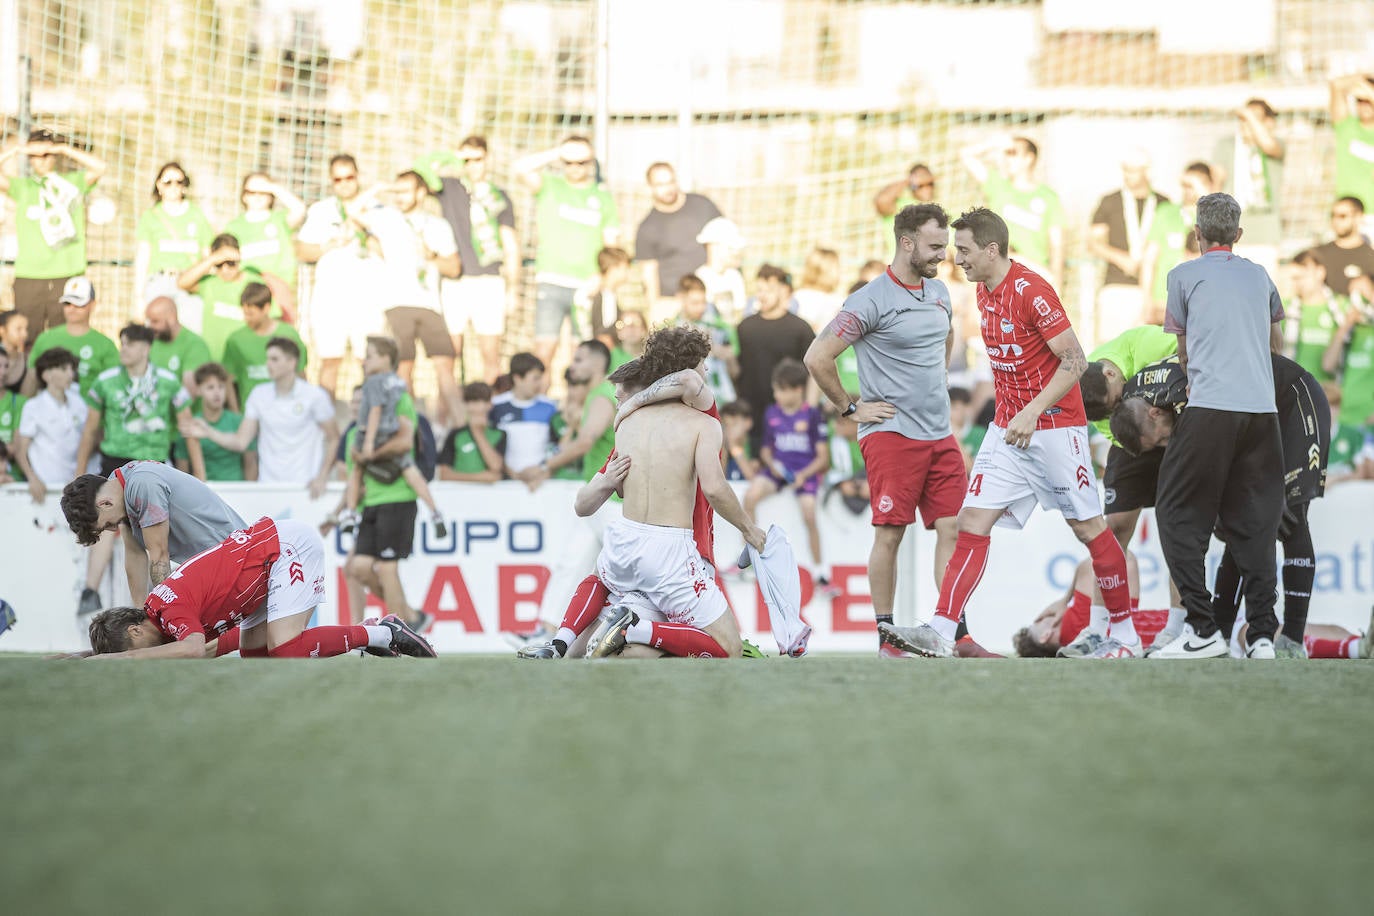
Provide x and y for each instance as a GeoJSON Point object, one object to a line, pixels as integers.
{"type": "Point", "coordinates": [227, 264]}
{"type": "Point", "coordinates": [917, 185]}
{"type": "Point", "coordinates": [171, 181]}
{"type": "Point", "coordinates": [578, 161]}
{"type": "Point", "coordinates": [340, 179]}
{"type": "Point", "coordinates": [467, 159]}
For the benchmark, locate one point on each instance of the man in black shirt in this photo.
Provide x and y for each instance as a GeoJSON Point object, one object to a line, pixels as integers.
{"type": "Point", "coordinates": [666, 243]}
{"type": "Point", "coordinates": [1348, 259]}
{"type": "Point", "coordinates": [766, 338]}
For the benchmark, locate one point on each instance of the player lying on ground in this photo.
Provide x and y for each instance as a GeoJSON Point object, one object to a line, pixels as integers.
{"type": "Point", "coordinates": [1059, 625]}
{"type": "Point", "coordinates": [267, 581]}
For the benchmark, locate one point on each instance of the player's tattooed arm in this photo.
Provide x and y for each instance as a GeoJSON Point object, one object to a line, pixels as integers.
{"type": "Point", "coordinates": [159, 562]}
{"type": "Point", "coordinates": [685, 385]}
{"type": "Point", "coordinates": [1073, 361]}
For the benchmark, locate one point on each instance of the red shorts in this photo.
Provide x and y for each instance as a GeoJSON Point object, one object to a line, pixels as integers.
{"type": "Point", "coordinates": [907, 474]}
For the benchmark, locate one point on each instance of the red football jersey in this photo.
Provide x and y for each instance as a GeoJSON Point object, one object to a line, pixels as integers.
{"type": "Point", "coordinates": [703, 516]}
{"type": "Point", "coordinates": [1018, 318]}
{"type": "Point", "coordinates": [215, 590]}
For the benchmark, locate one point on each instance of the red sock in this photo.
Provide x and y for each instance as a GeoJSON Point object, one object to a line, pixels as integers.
{"type": "Point", "coordinates": [1109, 565]}
{"type": "Point", "coordinates": [1328, 648]}
{"type": "Point", "coordinates": [684, 641]}
{"type": "Point", "coordinates": [962, 575]}
{"type": "Point", "coordinates": [591, 596]}
{"type": "Point", "coordinates": [227, 642]}
{"type": "Point", "coordinates": [322, 642]}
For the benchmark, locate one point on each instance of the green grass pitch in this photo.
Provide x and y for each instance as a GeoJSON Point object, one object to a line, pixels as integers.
{"type": "Point", "coordinates": [826, 785]}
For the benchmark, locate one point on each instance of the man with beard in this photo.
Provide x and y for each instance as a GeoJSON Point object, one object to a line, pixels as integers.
{"type": "Point", "coordinates": [179, 350]}
{"type": "Point", "coordinates": [900, 327]}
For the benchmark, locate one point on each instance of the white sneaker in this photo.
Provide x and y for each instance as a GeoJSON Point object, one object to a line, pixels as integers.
{"type": "Point", "coordinates": [1261, 648]}
{"type": "Point", "coordinates": [1162, 639]}
{"type": "Point", "coordinates": [1189, 645]}
{"type": "Point", "coordinates": [1111, 647]}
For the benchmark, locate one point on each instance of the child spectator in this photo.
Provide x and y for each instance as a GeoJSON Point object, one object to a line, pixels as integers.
{"type": "Point", "coordinates": [475, 452]}
{"type": "Point", "coordinates": [49, 431]}
{"type": "Point", "coordinates": [11, 407]}
{"type": "Point", "coordinates": [596, 304]}
{"type": "Point", "coordinates": [212, 382]}
{"type": "Point", "coordinates": [794, 455]}
{"type": "Point", "coordinates": [724, 283]}
{"type": "Point", "coordinates": [847, 473]}
{"type": "Point", "coordinates": [723, 363]}
{"type": "Point", "coordinates": [563, 425]}
{"type": "Point", "coordinates": [382, 392]}
{"type": "Point", "coordinates": [524, 414]}
{"type": "Point", "coordinates": [631, 331]}
{"type": "Point", "coordinates": [737, 418]}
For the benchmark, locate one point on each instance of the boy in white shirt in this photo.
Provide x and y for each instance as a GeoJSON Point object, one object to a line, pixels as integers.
{"type": "Point", "coordinates": [49, 433]}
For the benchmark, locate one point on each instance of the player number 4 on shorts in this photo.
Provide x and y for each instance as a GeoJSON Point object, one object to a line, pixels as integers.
{"type": "Point", "coordinates": [975, 486]}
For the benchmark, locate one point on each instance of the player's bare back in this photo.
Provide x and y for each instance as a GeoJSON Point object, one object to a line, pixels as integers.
{"type": "Point", "coordinates": [661, 442]}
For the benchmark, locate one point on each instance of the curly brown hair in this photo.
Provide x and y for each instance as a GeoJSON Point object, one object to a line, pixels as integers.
{"type": "Point", "coordinates": [1026, 646]}
{"type": "Point", "coordinates": [78, 505]}
{"type": "Point", "coordinates": [109, 631]}
{"type": "Point", "coordinates": [673, 349]}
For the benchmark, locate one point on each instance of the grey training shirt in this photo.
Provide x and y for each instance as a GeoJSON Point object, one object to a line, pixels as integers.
{"type": "Point", "coordinates": [1224, 305]}
{"type": "Point", "coordinates": [198, 518]}
{"type": "Point", "coordinates": [901, 354]}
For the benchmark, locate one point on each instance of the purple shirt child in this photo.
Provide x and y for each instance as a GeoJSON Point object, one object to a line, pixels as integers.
{"type": "Point", "coordinates": [793, 438]}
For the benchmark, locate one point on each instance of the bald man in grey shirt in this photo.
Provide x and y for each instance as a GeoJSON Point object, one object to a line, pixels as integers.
{"type": "Point", "coordinates": [1223, 468]}
{"type": "Point", "coordinates": [164, 515]}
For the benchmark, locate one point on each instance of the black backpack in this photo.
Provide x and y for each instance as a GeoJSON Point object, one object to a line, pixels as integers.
{"type": "Point", "coordinates": [426, 450]}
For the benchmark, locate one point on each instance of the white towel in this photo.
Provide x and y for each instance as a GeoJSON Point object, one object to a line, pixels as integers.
{"type": "Point", "coordinates": [776, 571]}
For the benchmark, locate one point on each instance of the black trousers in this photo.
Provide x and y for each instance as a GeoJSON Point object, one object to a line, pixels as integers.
{"type": "Point", "coordinates": [1224, 471]}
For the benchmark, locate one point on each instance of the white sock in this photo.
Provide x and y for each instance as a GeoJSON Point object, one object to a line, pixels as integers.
{"type": "Point", "coordinates": [640, 632]}
{"type": "Point", "coordinates": [1355, 646]}
{"type": "Point", "coordinates": [378, 637]}
{"type": "Point", "coordinates": [1098, 619]}
{"type": "Point", "coordinates": [1123, 631]}
{"type": "Point", "coordinates": [944, 626]}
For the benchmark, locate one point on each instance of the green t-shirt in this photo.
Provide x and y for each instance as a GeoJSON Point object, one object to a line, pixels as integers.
{"type": "Point", "coordinates": [220, 463]}
{"type": "Point", "coordinates": [245, 356]}
{"type": "Point", "coordinates": [376, 493]}
{"type": "Point", "coordinates": [557, 427]}
{"type": "Point", "coordinates": [266, 245]}
{"type": "Point", "coordinates": [93, 350]}
{"type": "Point", "coordinates": [466, 459]}
{"type": "Point", "coordinates": [139, 418]}
{"type": "Point", "coordinates": [11, 408]}
{"type": "Point", "coordinates": [1130, 352]}
{"type": "Point", "coordinates": [1029, 215]}
{"type": "Point", "coordinates": [222, 308]}
{"type": "Point", "coordinates": [973, 439]}
{"type": "Point", "coordinates": [185, 354]}
{"type": "Point", "coordinates": [50, 225]}
{"type": "Point", "coordinates": [847, 364]}
{"type": "Point", "coordinates": [1170, 232]}
{"type": "Point", "coordinates": [1355, 160]}
{"type": "Point", "coordinates": [605, 443]}
{"type": "Point", "coordinates": [572, 224]}
{"type": "Point", "coordinates": [1316, 324]}
{"type": "Point", "coordinates": [1357, 378]}
{"type": "Point", "coordinates": [176, 242]}
{"type": "Point", "coordinates": [904, 199]}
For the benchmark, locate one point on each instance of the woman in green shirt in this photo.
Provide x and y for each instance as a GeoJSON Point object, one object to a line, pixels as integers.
{"type": "Point", "coordinates": [264, 231]}
{"type": "Point", "coordinates": [172, 235]}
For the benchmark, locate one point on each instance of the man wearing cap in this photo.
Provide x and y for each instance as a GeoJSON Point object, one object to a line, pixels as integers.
{"type": "Point", "coordinates": [724, 283]}
{"type": "Point", "coordinates": [94, 351]}
{"type": "Point", "coordinates": [666, 242]}
{"type": "Point", "coordinates": [50, 223]}
{"type": "Point", "coordinates": [1120, 228]}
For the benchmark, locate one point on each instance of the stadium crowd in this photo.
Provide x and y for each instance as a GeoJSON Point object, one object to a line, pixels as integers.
{"type": "Point", "coordinates": [209, 371]}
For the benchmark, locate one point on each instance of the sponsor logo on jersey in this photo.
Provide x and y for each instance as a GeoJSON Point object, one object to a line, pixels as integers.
{"type": "Point", "coordinates": [1010, 349]}
{"type": "Point", "coordinates": [1007, 326]}
{"type": "Point", "coordinates": [1041, 306]}
{"type": "Point", "coordinates": [1021, 285]}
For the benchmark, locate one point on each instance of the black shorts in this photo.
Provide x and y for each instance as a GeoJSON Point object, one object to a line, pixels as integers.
{"type": "Point", "coordinates": [387, 531]}
{"type": "Point", "coordinates": [1305, 426]}
{"type": "Point", "coordinates": [111, 463]}
{"type": "Point", "coordinates": [410, 323]}
{"type": "Point", "coordinates": [1131, 480]}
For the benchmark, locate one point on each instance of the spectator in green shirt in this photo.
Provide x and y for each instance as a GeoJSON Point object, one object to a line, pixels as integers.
{"type": "Point", "coordinates": [212, 382]}
{"type": "Point", "coordinates": [219, 279]}
{"type": "Point", "coordinates": [49, 224]}
{"type": "Point", "coordinates": [474, 452]}
{"type": "Point", "coordinates": [1354, 136]}
{"type": "Point", "coordinates": [245, 352]}
{"type": "Point", "coordinates": [94, 350]}
{"type": "Point", "coordinates": [1034, 216]}
{"type": "Point", "coordinates": [172, 235]}
{"type": "Point", "coordinates": [265, 232]}
{"type": "Point", "coordinates": [564, 424]}
{"type": "Point", "coordinates": [179, 350]}
{"type": "Point", "coordinates": [595, 436]}
{"type": "Point", "coordinates": [917, 186]}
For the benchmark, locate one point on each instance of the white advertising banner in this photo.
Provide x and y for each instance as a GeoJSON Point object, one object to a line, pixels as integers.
{"type": "Point", "coordinates": [507, 548]}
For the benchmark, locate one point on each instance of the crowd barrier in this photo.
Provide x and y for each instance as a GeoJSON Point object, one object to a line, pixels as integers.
{"type": "Point", "coordinates": [507, 546]}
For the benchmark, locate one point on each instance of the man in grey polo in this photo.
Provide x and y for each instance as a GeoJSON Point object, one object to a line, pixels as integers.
{"type": "Point", "coordinates": [165, 516]}
{"type": "Point", "coordinates": [1223, 468]}
{"type": "Point", "coordinates": [900, 327]}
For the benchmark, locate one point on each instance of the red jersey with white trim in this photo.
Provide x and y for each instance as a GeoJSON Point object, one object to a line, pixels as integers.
{"type": "Point", "coordinates": [215, 590]}
{"type": "Point", "coordinates": [703, 516]}
{"type": "Point", "coordinates": [1018, 319]}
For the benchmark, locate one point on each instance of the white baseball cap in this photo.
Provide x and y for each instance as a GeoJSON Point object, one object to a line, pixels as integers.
{"type": "Point", "coordinates": [721, 231]}
{"type": "Point", "coordinates": [78, 291]}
